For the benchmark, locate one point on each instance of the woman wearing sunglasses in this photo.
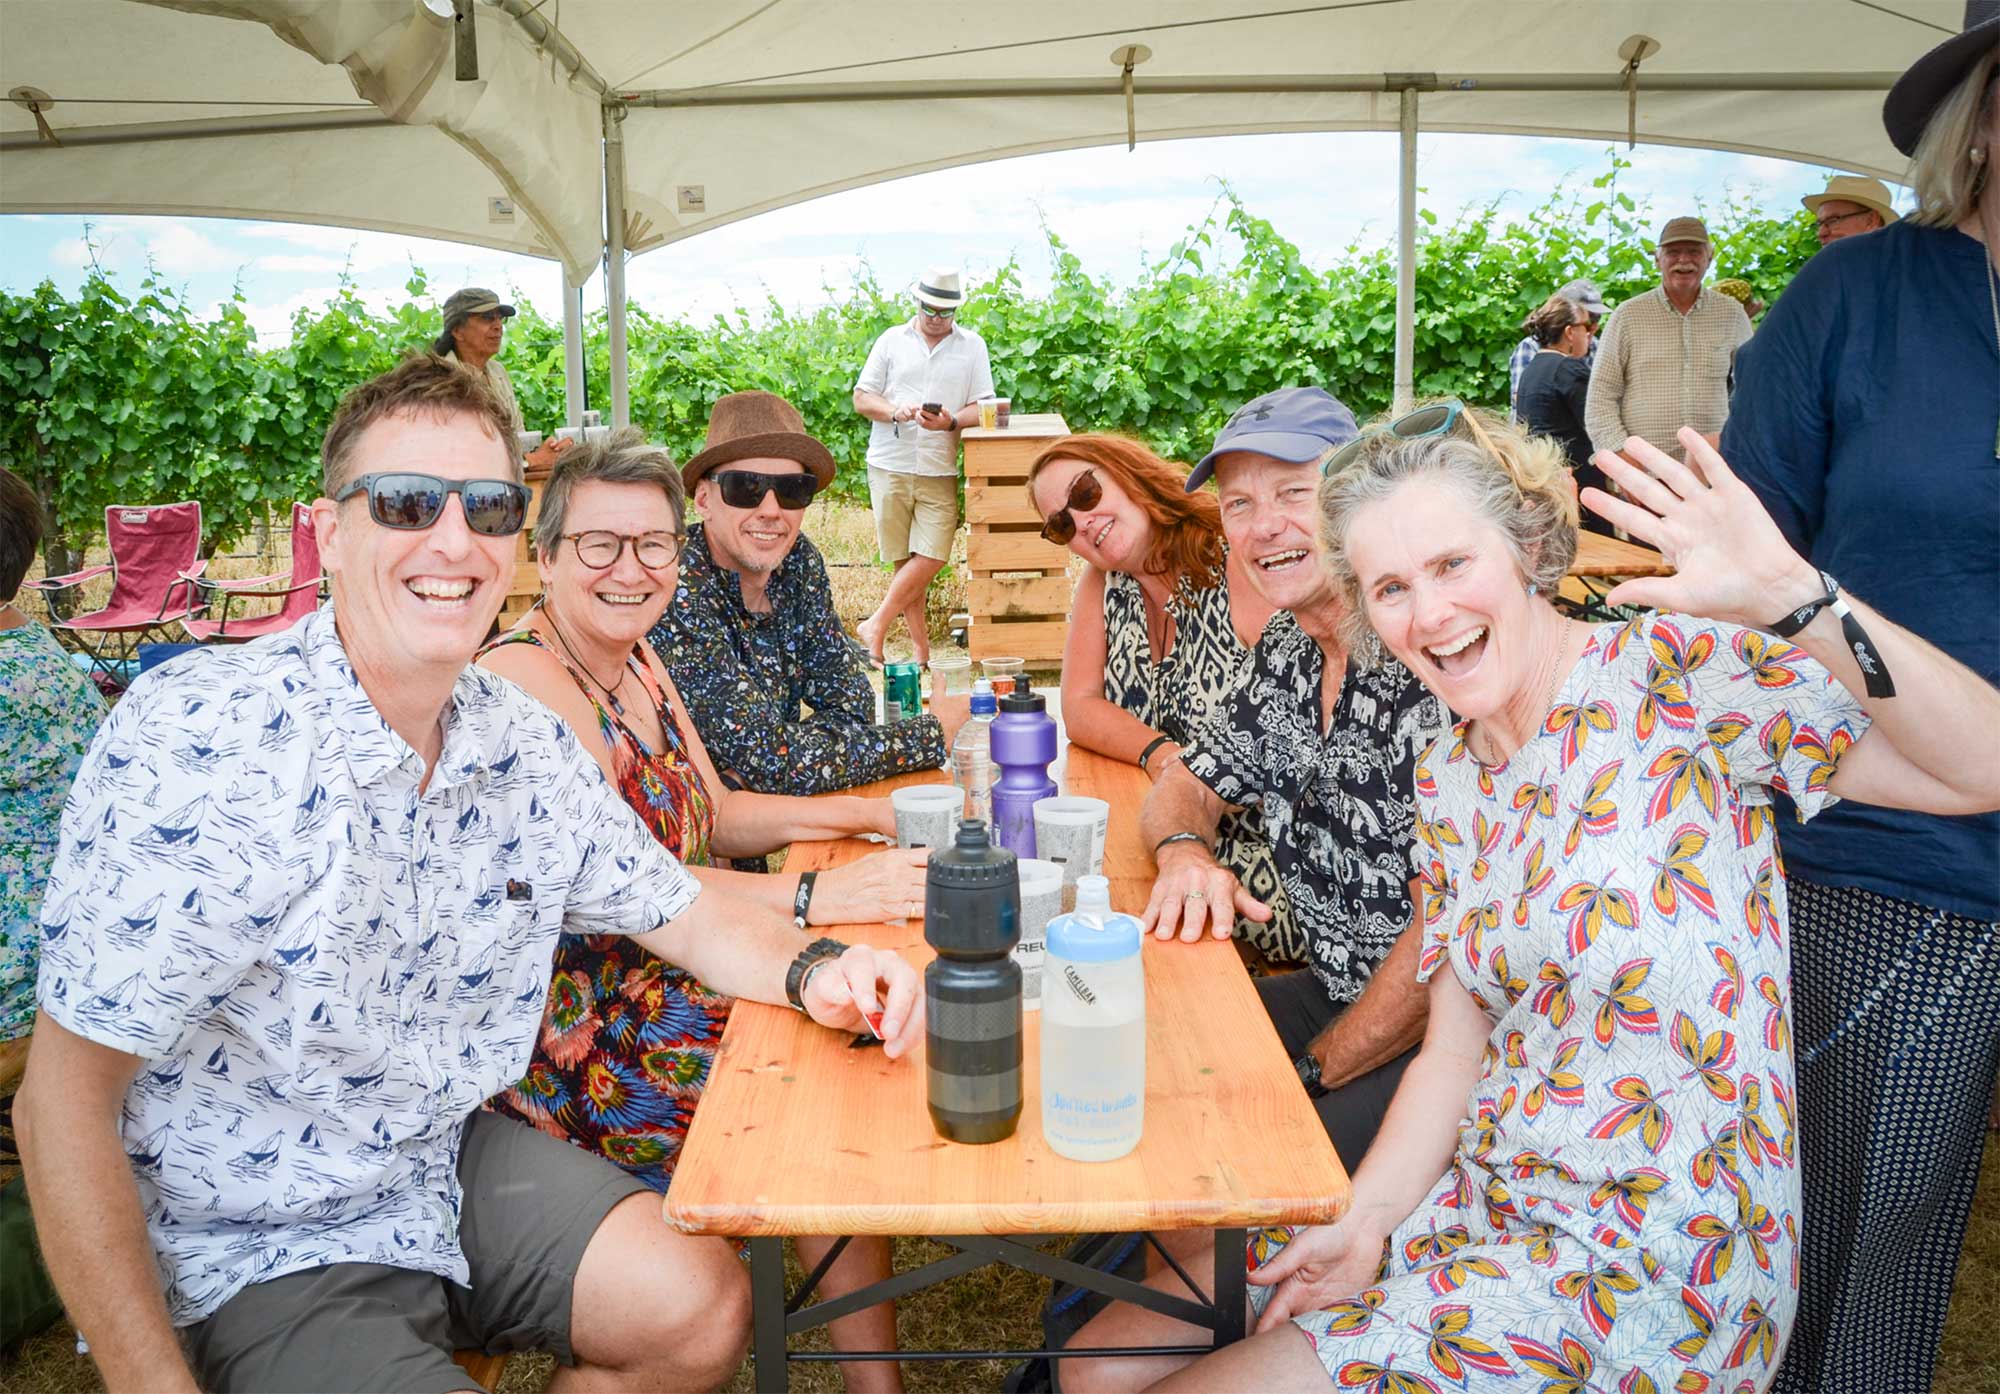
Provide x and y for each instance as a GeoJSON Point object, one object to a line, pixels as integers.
{"type": "Point", "coordinates": [1589, 1175]}
{"type": "Point", "coordinates": [1161, 627]}
{"type": "Point", "coordinates": [628, 1040]}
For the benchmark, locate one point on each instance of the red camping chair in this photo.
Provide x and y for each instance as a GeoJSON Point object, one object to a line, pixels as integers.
{"type": "Point", "coordinates": [301, 595]}
{"type": "Point", "coordinates": [154, 555]}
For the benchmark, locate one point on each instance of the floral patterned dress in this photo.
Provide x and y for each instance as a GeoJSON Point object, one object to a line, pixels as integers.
{"type": "Point", "coordinates": [628, 1039]}
{"type": "Point", "coordinates": [48, 713]}
{"type": "Point", "coordinates": [1621, 1210]}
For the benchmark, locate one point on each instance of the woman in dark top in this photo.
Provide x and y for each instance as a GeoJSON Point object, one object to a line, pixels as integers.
{"type": "Point", "coordinates": [1554, 386]}
{"type": "Point", "coordinates": [1867, 418]}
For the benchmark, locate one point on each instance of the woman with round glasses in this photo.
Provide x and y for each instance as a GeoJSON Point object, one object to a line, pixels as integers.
{"type": "Point", "coordinates": [628, 1041]}
{"type": "Point", "coordinates": [1161, 627]}
{"type": "Point", "coordinates": [1589, 1175]}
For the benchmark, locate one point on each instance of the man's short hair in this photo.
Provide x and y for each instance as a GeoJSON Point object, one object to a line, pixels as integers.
{"type": "Point", "coordinates": [20, 532]}
{"type": "Point", "coordinates": [422, 384]}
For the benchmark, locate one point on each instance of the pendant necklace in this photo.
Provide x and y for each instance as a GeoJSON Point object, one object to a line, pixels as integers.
{"type": "Point", "coordinates": [617, 707]}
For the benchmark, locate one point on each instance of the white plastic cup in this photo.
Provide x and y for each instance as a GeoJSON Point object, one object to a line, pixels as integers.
{"type": "Point", "coordinates": [927, 814]}
{"type": "Point", "coordinates": [1070, 831]}
{"type": "Point", "coordinates": [1041, 901]}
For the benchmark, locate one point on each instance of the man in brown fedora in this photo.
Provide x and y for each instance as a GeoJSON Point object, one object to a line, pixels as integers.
{"type": "Point", "coordinates": [1665, 357]}
{"type": "Point", "coordinates": [777, 689]}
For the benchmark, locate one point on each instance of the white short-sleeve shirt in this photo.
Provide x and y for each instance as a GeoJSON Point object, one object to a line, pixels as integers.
{"type": "Point", "coordinates": [324, 969]}
{"type": "Point", "coordinates": [905, 369]}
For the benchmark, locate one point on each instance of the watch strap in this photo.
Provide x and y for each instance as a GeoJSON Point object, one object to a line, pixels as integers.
{"type": "Point", "coordinates": [810, 957]}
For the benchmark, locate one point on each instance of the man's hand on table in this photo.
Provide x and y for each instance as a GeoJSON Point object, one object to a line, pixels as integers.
{"type": "Point", "coordinates": [871, 978]}
{"type": "Point", "coordinates": [1193, 892]}
{"type": "Point", "coordinates": [885, 885]}
{"type": "Point", "coordinates": [549, 451]}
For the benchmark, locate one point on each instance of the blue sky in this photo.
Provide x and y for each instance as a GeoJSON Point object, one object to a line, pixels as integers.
{"type": "Point", "coordinates": [1115, 209]}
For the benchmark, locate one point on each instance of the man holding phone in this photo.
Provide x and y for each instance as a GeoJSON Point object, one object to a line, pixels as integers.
{"type": "Point", "coordinates": [921, 386]}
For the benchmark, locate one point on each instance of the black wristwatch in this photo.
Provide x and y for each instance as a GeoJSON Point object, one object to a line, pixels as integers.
{"type": "Point", "coordinates": [1308, 1067]}
{"type": "Point", "coordinates": [817, 952]}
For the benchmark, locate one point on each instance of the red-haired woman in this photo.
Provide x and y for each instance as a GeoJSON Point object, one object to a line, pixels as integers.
{"type": "Point", "coordinates": [1161, 626]}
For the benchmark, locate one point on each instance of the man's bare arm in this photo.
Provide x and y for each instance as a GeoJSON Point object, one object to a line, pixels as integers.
{"type": "Point", "coordinates": [1387, 1020]}
{"type": "Point", "coordinates": [88, 1217]}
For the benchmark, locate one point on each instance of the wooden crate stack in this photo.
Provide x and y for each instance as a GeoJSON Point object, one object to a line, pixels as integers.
{"type": "Point", "coordinates": [1019, 591]}
{"type": "Point", "coordinates": [527, 580]}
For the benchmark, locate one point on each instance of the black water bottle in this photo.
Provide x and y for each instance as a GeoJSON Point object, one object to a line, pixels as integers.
{"type": "Point", "coordinates": [972, 989]}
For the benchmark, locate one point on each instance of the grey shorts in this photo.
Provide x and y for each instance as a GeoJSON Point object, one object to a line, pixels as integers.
{"type": "Point", "coordinates": [532, 1203]}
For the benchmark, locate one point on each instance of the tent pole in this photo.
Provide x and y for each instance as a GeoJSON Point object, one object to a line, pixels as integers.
{"type": "Point", "coordinates": [575, 396]}
{"type": "Point", "coordinates": [1406, 255]}
{"type": "Point", "coordinates": [614, 258]}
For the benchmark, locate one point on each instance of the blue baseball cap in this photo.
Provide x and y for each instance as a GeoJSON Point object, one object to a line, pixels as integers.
{"type": "Point", "coordinates": [1294, 423]}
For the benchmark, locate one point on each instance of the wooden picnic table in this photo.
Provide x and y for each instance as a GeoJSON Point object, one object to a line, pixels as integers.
{"type": "Point", "coordinates": [1598, 555]}
{"type": "Point", "coordinates": [798, 1133]}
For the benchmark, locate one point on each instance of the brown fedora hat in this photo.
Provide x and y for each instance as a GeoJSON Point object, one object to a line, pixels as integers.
{"type": "Point", "coordinates": [753, 425]}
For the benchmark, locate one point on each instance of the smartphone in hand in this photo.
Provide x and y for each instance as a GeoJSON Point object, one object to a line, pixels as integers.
{"type": "Point", "coordinates": [934, 408]}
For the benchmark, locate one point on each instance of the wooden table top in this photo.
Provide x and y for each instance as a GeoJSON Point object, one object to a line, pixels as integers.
{"type": "Point", "coordinates": [1019, 424]}
{"type": "Point", "coordinates": [1598, 555]}
{"type": "Point", "coordinates": [798, 1133]}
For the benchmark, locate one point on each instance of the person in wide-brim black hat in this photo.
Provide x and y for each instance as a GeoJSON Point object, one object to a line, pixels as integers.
{"type": "Point", "coordinates": [1887, 348]}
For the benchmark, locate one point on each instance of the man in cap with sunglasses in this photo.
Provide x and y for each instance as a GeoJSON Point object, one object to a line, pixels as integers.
{"type": "Point", "coordinates": [1327, 749]}
{"type": "Point", "coordinates": [778, 691]}
{"type": "Point", "coordinates": [475, 324]}
{"type": "Point", "coordinates": [921, 386]}
{"type": "Point", "coordinates": [300, 928]}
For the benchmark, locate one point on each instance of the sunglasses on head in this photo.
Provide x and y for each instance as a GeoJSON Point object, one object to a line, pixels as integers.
{"type": "Point", "coordinates": [1084, 492]}
{"type": "Point", "coordinates": [412, 502]}
{"type": "Point", "coordinates": [746, 488]}
{"type": "Point", "coordinates": [1437, 419]}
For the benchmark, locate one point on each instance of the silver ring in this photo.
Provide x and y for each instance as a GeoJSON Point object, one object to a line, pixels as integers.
{"type": "Point", "coordinates": [1195, 895]}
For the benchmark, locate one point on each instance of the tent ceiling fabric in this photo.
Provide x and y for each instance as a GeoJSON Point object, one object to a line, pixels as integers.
{"type": "Point", "coordinates": [381, 135]}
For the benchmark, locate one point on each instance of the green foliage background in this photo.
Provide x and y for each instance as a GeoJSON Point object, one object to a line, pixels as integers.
{"type": "Point", "coordinates": [110, 398]}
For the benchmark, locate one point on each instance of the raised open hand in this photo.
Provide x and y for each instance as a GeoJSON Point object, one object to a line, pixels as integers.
{"type": "Point", "coordinates": [1730, 561]}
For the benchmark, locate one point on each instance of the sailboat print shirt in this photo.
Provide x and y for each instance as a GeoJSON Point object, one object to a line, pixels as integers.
{"type": "Point", "coordinates": [324, 970]}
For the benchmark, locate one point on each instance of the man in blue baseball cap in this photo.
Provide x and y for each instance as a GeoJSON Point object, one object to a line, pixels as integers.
{"type": "Point", "coordinates": [1326, 748]}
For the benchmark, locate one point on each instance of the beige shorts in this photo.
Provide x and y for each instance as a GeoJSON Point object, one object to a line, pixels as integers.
{"type": "Point", "coordinates": [914, 513]}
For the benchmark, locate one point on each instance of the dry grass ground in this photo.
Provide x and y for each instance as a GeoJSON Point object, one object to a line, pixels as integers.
{"type": "Point", "coordinates": [1000, 1307]}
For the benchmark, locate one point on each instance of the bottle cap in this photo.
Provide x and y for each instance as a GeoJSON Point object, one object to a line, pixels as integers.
{"type": "Point", "coordinates": [1022, 699]}
{"type": "Point", "coordinates": [1093, 932]}
{"type": "Point", "coordinates": [982, 697]}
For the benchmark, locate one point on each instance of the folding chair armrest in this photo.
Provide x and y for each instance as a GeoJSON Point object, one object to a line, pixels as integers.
{"type": "Point", "coordinates": [245, 585]}
{"type": "Point", "coordinates": [75, 578]}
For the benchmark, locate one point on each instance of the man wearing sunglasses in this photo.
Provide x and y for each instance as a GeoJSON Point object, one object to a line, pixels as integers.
{"type": "Point", "coordinates": [921, 386]}
{"type": "Point", "coordinates": [778, 691]}
{"type": "Point", "coordinates": [1327, 749]}
{"type": "Point", "coordinates": [300, 927]}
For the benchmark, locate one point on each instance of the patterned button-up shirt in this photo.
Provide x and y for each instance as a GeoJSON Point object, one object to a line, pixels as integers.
{"type": "Point", "coordinates": [781, 699]}
{"type": "Point", "coordinates": [1337, 798]}
{"type": "Point", "coordinates": [324, 969]}
{"type": "Point", "coordinates": [1658, 370]}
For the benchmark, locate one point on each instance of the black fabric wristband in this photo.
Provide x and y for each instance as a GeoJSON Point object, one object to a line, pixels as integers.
{"type": "Point", "coordinates": [1171, 838]}
{"type": "Point", "coordinates": [1874, 672]}
{"type": "Point", "coordinates": [1151, 746]}
{"type": "Point", "coordinates": [819, 951]}
{"type": "Point", "coordinates": [802, 898]}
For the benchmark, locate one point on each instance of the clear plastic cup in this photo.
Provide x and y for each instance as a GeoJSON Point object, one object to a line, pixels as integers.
{"type": "Point", "coordinates": [951, 677]}
{"type": "Point", "coordinates": [989, 412]}
{"type": "Point", "coordinates": [1001, 407]}
{"type": "Point", "coordinates": [1003, 672]}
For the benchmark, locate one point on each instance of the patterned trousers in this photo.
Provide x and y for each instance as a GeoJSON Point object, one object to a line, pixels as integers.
{"type": "Point", "coordinates": [1898, 1034]}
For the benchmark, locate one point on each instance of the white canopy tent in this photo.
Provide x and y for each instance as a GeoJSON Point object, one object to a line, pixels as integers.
{"type": "Point", "coordinates": [588, 131]}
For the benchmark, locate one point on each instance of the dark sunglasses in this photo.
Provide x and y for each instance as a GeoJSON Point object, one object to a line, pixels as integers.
{"type": "Point", "coordinates": [1437, 419]}
{"type": "Point", "coordinates": [933, 312]}
{"type": "Point", "coordinates": [746, 488]}
{"type": "Point", "coordinates": [1084, 492]}
{"type": "Point", "coordinates": [599, 550]}
{"type": "Point", "coordinates": [412, 502]}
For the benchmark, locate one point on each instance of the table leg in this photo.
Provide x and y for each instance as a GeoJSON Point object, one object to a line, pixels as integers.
{"type": "Point", "coordinates": [767, 1315]}
{"type": "Point", "coordinates": [1229, 1286]}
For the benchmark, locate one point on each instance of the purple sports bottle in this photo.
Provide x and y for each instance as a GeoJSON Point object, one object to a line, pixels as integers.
{"type": "Point", "coordinates": [1024, 744]}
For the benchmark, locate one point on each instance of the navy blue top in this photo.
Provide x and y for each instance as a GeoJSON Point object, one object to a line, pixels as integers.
{"type": "Point", "coordinates": [1864, 416]}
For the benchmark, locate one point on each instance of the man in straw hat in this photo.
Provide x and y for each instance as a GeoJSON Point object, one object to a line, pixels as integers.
{"type": "Point", "coordinates": [1665, 357]}
{"type": "Point", "coordinates": [1849, 206]}
{"type": "Point", "coordinates": [928, 361]}
{"type": "Point", "coordinates": [475, 323]}
{"type": "Point", "coordinates": [775, 686]}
